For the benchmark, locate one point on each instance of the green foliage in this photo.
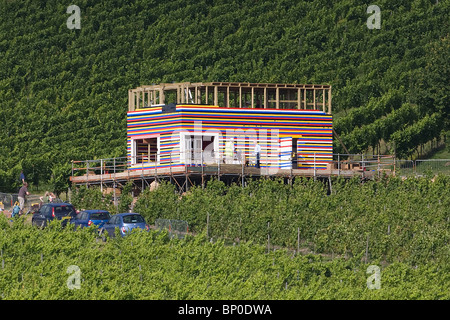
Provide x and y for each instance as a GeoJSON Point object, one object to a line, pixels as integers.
{"type": "Point", "coordinates": [60, 178]}
{"type": "Point", "coordinates": [161, 202]}
{"type": "Point", "coordinates": [84, 198]}
{"type": "Point", "coordinates": [405, 221]}
{"type": "Point", "coordinates": [126, 198]}
{"type": "Point", "coordinates": [147, 265]}
{"type": "Point", "coordinates": [63, 93]}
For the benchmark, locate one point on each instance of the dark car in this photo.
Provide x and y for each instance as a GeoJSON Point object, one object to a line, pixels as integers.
{"type": "Point", "coordinates": [91, 217]}
{"type": "Point", "coordinates": [125, 222]}
{"type": "Point", "coordinates": [50, 211]}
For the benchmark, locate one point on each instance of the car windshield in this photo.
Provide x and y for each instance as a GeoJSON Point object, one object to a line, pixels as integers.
{"type": "Point", "coordinates": [100, 216]}
{"type": "Point", "coordinates": [64, 210]}
{"type": "Point", "coordinates": [133, 218]}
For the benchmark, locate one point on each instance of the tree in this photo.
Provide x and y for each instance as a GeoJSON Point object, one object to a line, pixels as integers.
{"type": "Point", "coordinates": [60, 178]}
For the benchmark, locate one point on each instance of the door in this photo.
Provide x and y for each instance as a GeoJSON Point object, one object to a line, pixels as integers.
{"type": "Point", "coordinates": [294, 153]}
{"type": "Point", "coordinates": [286, 153]}
{"type": "Point", "coordinates": [111, 225]}
{"type": "Point", "coordinates": [193, 150]}
{"type": "Point", "coordinates": [188, 150]}
{"type": "Point", "coordinates": [195, 147]}
{"type": "Point", "coordinates": [40, 217]}
{"type": "Point", "coordinates": [197, 150]}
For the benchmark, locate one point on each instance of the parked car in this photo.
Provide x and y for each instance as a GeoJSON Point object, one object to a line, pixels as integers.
{"type": "Point", "coordinates": [125, 222]}
{"type": "Point", "coordinates": [91, 217]}
{"type": "Point", "coordinates": [50, 211]}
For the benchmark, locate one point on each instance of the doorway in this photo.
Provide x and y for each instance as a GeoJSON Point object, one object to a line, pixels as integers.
{"type": "Point", "coordinates": [199, 149]}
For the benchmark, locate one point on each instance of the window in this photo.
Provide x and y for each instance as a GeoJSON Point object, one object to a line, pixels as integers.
{"type": "Point", "coordinates": [145, 150]}
{"type": "Point", "coordinates": [82, 216]}
{"type": "Point", "coordinates": [133, 218]}
{"type": "Point", "coordinates": [113, 220]}
{"type": "Point", "coordinates": [46, 211]}
{"type": "Point", "coordinates": [64, 210]}
{"type": "Point", "coordinates": [100, 216]}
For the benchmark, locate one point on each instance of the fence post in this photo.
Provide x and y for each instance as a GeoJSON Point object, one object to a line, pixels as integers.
{"type": "Point", "coordinates": [362, 163]}
{"type": "Point", "coordinates": [156, 166]}
{"type": "Point", "coordinates": [207, 225]}
{"type": "Point", "coordinates": [243, 164]}
{"type": "Point", "coordinates": [218, 166]}
{"type": "Point", "coordinates": [367, 247]}
{"type": "Point", "coordinates": [339, 165]}
{"type": "Point", "coordinates": [186, 177]}
{"type": "Point", "coordinates": [170, 167]}
{"type": "Point", "coordinates": [290, 170]}
{"type": "Point", "coordinates": [378, 167]}
{"type": "Point", "coordinates": [314, 166]}
{"type": "Point", "coordinates": [101, 175]}
{"type": "Point", "coordinates": [203, 170]}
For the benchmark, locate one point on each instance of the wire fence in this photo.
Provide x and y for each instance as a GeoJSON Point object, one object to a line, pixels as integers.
{"type": "Point", "coordinates": [175, 228]}
{"type": "Point", "coordinates": [32, 202]}
{"type": "Point", "coordinates": [432, 166]}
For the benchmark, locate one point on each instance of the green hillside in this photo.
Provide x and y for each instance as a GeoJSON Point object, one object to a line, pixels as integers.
{"type": "Point", "coordinates": [63, 92]}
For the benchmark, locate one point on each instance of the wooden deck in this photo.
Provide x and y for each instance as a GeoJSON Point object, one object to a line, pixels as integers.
{"type": "Point", "coordinates": [218, 171]}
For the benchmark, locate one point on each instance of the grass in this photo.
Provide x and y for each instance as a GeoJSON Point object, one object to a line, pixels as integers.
{"type": "Point", "coordinates": [442, 154]}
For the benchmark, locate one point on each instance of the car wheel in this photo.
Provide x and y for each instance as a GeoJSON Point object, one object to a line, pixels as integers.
{"type": "Point", "coordinates": [101, 233]}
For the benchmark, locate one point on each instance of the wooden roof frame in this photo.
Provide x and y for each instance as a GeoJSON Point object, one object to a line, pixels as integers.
{"type": "Point", "coordinates": [258, 95]}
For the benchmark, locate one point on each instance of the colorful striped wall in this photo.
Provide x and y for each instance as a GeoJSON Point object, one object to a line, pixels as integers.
{"type": "Point", "coordinates": [276, 130]}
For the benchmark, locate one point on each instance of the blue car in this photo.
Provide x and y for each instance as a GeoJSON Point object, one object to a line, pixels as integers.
{"type": "Point", "coordinates": [91, 217]}
{"type": "Point", "coordinates": [125, 222]}
{"type": "Point", "coordinates": [51, 211]}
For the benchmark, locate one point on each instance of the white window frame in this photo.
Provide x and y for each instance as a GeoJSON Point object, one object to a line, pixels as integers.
{"type": "Point", "coordinates": [183, 135]}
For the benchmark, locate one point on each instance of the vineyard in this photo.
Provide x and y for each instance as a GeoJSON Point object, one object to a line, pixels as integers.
{"type": "Point", "coordinates": [403, 227]}
{"type": "Point", "coordinates": [149, 266]}
{"type": "Point", "coordinates": [63, 92]}
{"type": "Point", "coordinates": [398, 221]}
{"type": "Point", "coordinates": [63, 97]}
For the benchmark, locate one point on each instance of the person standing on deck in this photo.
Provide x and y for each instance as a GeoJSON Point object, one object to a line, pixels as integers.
{"type": "Point", "coordinates": [229, 151]}
{"type": "Point", "coordinates": [257, 154]}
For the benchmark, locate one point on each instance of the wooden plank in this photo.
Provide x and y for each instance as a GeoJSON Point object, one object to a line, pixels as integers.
{"type": "Point", "coordinates": [130, 100]}
{"type": "Point", "coordinates": [265, 98]}
{"type": "Point", "coordinates": [277, 98]}
{"type": "Point", "coordinates": [216, 96]}
{"type": "Point", "coordinates": [304, 101]}
{"type": "Point", "coordinates": [240, 97]}
{"type": "Point", "coordinates": [329, 100]}
{"type": "Point", "coordinates": [253, 97]}
{"type": "Point", "coordinates": [323, 100]}
{"type": "Point", "coordinates": [314, 99]}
